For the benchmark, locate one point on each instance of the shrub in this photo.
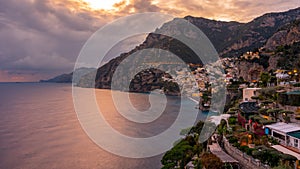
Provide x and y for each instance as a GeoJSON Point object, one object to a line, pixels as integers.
{"type": "Point", "coordinates": [233, 140]}
{"type": "Point", "coordinates": [185, 131]}
{"type": "Point", "coordinates": [283, 167]}
{"type": "Point", "coordinates": [211, 161]}
{"type": "Point", "coordinates": [297, 85]}
{"type": "Point", "coordinates": [232, 120]}
{"type": "Point", "coordinates": [249, 151]}
{"type": "Point", "coordinates": [234, 109]}
{"type": "Point", "coordinates": [244, 148]}
{"type": "Point", "coordinates": [263, 111]}
{"type": "Point", "coordinates": [241, 130]}
{"type": "Point", "coordinates": [237, 145]}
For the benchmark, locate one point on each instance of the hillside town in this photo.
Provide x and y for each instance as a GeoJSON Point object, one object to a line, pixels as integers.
{"type": "Point", "coordinates": [260, 127]}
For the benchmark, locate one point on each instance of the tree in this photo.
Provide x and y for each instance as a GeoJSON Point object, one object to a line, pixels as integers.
{"type": "Point", "coordinates": [265, 78]}
{"type": "Point", "coordinates": [179, 154]}
{"type": "Point", "coordinates": [282, 167]}
{"type": "Point", "coordinates": [288, 160]}
{"type": "Point", "coordinates": [263, 111]}
{"type": "Point", "coordinates": [274, 112]}
{"type": "Point", "coordinates": [210, 161]}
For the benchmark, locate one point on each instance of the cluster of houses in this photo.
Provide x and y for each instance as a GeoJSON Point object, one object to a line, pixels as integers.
{"type": "Point", "coordinates": [287, 134]}
{"type": "Point", "coordinates": [285, 77]}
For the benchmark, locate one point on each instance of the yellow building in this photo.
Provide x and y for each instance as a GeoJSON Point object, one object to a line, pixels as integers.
{"type": "Point", "coordinates": [248, 93]}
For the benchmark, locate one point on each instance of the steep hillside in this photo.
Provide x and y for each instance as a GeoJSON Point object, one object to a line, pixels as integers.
{"type": "Point", "coordinates": [231, 39]}
{"type": "Point", "coordinates": [287, 35]}
{"type": "Point", "coordinates": [282, 51]}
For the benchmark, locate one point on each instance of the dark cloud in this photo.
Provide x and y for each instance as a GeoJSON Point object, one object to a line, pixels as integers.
{"type": "Point", "coordinates": [144, 6]}
{"type": "Point", "coordinates": [43, 37]}
{"type": "Point", "coordinates": [40, 36]}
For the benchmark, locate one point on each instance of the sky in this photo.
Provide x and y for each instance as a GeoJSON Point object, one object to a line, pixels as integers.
{"type": "Point", "coordinates": [43, 38]}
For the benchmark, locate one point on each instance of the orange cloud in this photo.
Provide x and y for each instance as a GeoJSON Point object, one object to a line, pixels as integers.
{"type": "Point", "coordinates": [228, 10]}
{"type": "Point", "coordinates": [233, 10]}
{"type": "Point", "coordinates": [121, 4]}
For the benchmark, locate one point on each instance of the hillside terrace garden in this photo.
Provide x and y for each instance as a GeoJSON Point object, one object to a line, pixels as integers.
{"type": "Point", "coordinates": [254, 142]}
{"type": "Point", "coordinates": [245, 131]}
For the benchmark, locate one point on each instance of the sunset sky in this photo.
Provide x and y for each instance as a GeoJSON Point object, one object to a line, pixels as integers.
{"type": "Point", "coordinates": [42, 38]}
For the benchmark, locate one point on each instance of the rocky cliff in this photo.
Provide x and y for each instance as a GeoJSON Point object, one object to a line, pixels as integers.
{"type": "Point", "coordinates": [281, 51]}
{"type": "Point", "coordinates": [234, 39]}
{"type": "Point", "coordinates": [287, 35]}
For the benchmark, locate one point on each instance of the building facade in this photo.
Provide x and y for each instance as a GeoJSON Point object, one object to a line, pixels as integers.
{"type": "Point", "coordinates": [248, 93]}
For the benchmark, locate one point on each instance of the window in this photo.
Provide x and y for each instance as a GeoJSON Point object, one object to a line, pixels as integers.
{"type": "Point", "coordinates": [295, 143]}
{"type": "Point", "coordinates": [277, 135]}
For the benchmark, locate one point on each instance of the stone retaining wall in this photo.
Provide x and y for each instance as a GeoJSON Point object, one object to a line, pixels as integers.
{"type": "Point", "coordinates": [246, 161]}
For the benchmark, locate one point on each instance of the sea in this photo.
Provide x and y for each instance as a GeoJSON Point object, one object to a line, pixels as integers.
{"type": "Point", "coordinates": [39, 128]}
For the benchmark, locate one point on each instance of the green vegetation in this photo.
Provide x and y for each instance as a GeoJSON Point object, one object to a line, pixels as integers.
{"type": "Point", "coordinates": [265, 79]}
{"type": "Point", "coordinates": [269, 93]}
{"type": "Point", "coordinates": [185, 131]}
{"type": "Point", "coordinates": [292, 99]}
{"type": "Point", "coordinates": [185, 149]}
{"type": "Point", "coordinates": [209, 160]}
{"type": "Point", "coordinates": [267, 155]}
{"type": "Point", "coordinates": [261, 120]}
{"type": "Point", "coordinates": [282, 167]}
{"type": "Point", "coordinates": [171, 87]}
{"type": "Point", "coordinates": [289, 56]}
{"type": "Point", "coordinates": [232, 120]}
{"type": "Point", "coordinates": [296, 85]}
{"type": "Point", "coordinates": [274, 112]}
{"type": "Point", "coordinates": [181, 154]}
{"type": "Point", "coordinates": [263, 111]}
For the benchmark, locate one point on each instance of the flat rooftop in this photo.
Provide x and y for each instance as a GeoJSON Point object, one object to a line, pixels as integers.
{"type": "Point", "coordinates": [284, 127]}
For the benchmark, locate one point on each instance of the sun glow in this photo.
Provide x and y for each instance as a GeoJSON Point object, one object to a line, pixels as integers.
{"type": "Point", "coordinates": [102, 4]}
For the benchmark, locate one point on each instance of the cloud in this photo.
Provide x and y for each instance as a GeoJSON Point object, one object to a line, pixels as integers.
{"type": "Point", "coordinates": [47, 35]}
{"type": "Point", "coordinates": [38, 35]}
{"type": "Point", "coordinates": [23, 76]}
{"type": "Point", "coordinates": [229, 10]}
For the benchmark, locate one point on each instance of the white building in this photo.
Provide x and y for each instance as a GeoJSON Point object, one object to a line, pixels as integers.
{"type": "Point", "coordinates": [286, 134]}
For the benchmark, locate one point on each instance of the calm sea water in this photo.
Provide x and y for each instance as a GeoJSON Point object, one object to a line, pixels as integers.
{"type": "Point", "coordinates": [39, 129]}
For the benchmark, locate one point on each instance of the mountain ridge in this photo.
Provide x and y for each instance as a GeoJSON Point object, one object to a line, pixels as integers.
{"type": "Point", "coordinates": [231, 39]}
